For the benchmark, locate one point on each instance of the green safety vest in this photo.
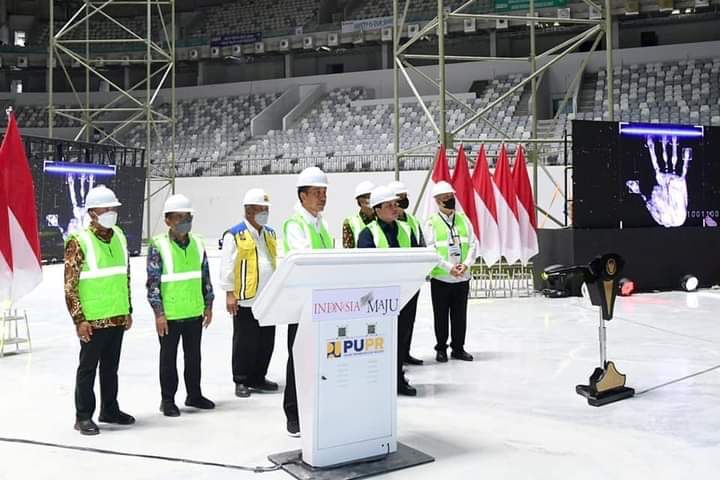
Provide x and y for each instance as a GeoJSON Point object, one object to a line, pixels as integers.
{"type": "Point", "coordinates": [357, 225]}
{"type": "Point", "coordinates": [442, 233]}
{"type": "Point", "coordinates": [181, 280]}
{"type": "Point", "coordinates": [318, 240]}
{"type": "Point", "coordinates": [103, 286]}
{"type": "Point", "coordinates": [381, 241]}
{"type": "Point", "coordinates": [414, 225]}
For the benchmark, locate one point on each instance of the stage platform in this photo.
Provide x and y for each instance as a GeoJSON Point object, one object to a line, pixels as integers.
{"type": "Point", "coordinates": [656, 258]}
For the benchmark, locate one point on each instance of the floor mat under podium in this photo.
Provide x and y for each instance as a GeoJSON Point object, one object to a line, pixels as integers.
{"type": "Point", "coordinates": [404, 457]}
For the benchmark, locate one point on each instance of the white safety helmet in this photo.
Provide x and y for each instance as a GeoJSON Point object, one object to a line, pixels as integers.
{"type": "Point", "coordinates": [312, 177]}
{"type": "Point", "coordinates": [364, 188]}
{"type": "Point", "coordinates": [178, 203]}
{"type": "Point", "coordinates": [398, 187]}
{"type": "Point", "coordinates": [101, 197]}
{"type": "Point", "coordinates": [256, 196]}
{"type": "Point", "coordinates": [381, 195]}
{"type": "Point", "coordinates": [442, 187]}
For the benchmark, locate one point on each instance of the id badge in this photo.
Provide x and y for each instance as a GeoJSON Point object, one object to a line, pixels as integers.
{"type": "Point", "coordinates": [454, 250]}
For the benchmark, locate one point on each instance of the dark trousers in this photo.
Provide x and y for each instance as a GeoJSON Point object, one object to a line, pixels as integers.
{"type": "Point", "coordinates": [290, 404]}
{"type": "Point", "coordinates": [410, 310]}
{"type": "Point", "coordinates": [452, 299]}
{"type": "Point", "coordinates": [406, 319]}
{"type": "Point", "coordinates": [104, 349]}
{"type": "Point", "coordinates": [252, 348]}
{"type": "Point", "coordinates": [190, 331]}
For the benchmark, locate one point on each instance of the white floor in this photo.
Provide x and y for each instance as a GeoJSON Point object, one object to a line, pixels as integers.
{"type": "Point", "coordinates": [513, 413]}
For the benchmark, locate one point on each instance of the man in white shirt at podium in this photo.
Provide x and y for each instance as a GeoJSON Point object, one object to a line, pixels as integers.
{"type": "Point", "coordinates": [306, 229]}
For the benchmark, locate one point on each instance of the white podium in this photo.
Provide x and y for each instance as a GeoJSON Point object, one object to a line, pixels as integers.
{"type": "Point", "coordinates": [346, 303]}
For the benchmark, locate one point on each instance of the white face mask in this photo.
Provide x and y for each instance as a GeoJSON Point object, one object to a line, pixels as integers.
{"type": "Point", "coordinates": [107, 219]}
{"type": "Point", "coordinates": [261, 218]}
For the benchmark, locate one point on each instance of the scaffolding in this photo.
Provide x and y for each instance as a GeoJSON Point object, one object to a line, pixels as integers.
{"type": "Point", "coordinates": [403, 68]}
{"type": "Point", "coordinates": [126, 105]}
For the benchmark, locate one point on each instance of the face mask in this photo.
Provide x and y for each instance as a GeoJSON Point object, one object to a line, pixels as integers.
{"type": "Point", "coordinates": [449, 203]}
{"type": "Point", "coordinates": [261, 218]}
{"type": "Point", "coordinates": [184, 227]}
{"type": "Point", "coordinates": [107, 219]}
{"type": "Point", "coordinates": [404, 203]}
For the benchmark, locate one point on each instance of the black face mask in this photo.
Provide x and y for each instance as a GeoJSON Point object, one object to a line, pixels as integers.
{"type": "Point", "coordinates": [449, 203]}
{"type": "Point", "coordinates": [403, 203]}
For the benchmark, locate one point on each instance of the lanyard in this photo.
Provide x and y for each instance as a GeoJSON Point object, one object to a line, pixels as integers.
{"type": "Point", "coordinates": [451, 226]}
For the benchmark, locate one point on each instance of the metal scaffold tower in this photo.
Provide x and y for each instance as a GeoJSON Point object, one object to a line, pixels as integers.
{"type": "Point", "coordinates": [88, 41]}
{"type": "Point", "coordinates": [539, 63]}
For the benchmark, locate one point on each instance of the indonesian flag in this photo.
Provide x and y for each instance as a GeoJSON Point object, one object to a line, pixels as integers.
{"type": "Point", "coordinates": [441, 172]}
{"type": "Point", "coordinates": [526, 207]}
{"type": "Point", "coordinates": [485, 206]}
{"type": "Point", "coordinates": [464, 193]}
{"type": "Point", "coordinates": [20, 267]}
{"type": "Point", "coordinates": [5, 248]}
{"type": "Point", "coordinates": [506, 202]}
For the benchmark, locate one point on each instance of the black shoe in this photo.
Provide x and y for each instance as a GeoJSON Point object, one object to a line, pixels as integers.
{"type": "Point", "coordinates": [462, 355]}
{"type": "Point", "coordinates": [405, 388]}
{"type": "Point", "coordinates": [241, 390]}
{"type": "Point", "coordinates": [121, 418]}
{"type": "Point", "coordinates": [169, 409]}
{"type": "Point", "coordinates": [293, 429]}
{"type": "Point", "coordinates": [410, 360]}
{"type": "Point", "coordinates": [87, 427]}
{"type": "Point", "coordinates": [200, 402]}
{"type": "Point", "coordinates": [264, 385]}
{"type": "Point", "coordinates": [441, 356]}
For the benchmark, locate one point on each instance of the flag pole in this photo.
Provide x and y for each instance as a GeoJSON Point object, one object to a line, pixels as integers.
{"type": "Point", "coordinates": [7, 303]}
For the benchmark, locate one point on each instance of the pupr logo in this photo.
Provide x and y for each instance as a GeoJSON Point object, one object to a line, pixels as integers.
{"type": "Point", "coordinates": [355, 346]}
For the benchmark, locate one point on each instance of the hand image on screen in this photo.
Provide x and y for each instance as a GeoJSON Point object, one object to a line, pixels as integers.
{"type": "Point", "coordinates": [86, 183]}
{"type": "Point", "coordinates": [669, 198]}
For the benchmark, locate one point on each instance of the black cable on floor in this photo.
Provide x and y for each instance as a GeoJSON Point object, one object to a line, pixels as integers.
{"type": "Point", "coordinates": [143, 455]}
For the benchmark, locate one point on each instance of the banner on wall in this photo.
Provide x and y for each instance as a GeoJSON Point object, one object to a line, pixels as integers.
{"type": "Point", "coordinates": [236, 39]}
{"type": "Point", "coordinates": [351, 26]}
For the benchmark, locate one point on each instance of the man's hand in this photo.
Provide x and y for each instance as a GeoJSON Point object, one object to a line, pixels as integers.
{"type": "Point", "coordinates": [458, 270]}
{"type": "Point", "coordinates": [231, 303]}
{"type": "Point", "coordinates": [207, 317]}
{"type": "Point", "coordinates": [129, 322]}
{"type": "Point", "coordinates": [84, 331]}
{"type": "Point", "coordinates": [161, 325]}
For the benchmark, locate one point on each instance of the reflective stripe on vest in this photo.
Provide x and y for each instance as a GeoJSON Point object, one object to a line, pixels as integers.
{"type": "Point", "coordinates": [181, 279]}
{"type": "Point", "coordinates": [414, 225]}
{"type": "Point", "coordinates": [247, 270]}
{"type": "Point", "coordinates": [380, 239]}
{"type": "Point", "coordinates": [318, 240]}
{"type": "Point", "coordinates": [356, 226]}
{"type": "Point", "coordinates": [103, 285]}
{"type": "Point", "coordinates": [442, 234]}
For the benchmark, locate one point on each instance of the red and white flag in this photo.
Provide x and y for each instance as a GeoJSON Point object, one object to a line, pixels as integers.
{"type": "Point", "coordinates": [526, 207]}
{"type": "Point", "coordinates": [441, 172]}
{"type": "Point", "coordinates": [464, 193]}
{"type": "Point", "coordinates": [506, 202]}
{"type": "Point", "coordinates": [22, 262]}
{"type": "Point", "coordinates": [485, 206]}
{"type": "Point", "coordinates": [5, 248]}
